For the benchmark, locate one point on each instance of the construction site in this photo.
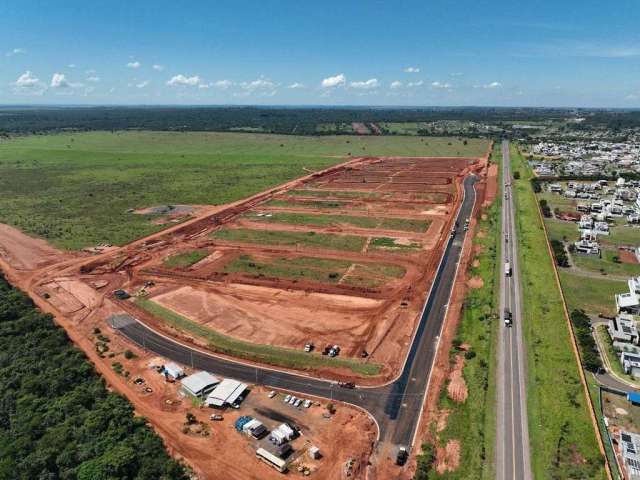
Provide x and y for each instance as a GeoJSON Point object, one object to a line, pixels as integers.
{"type": "Point", "coordinates": [342, 257]}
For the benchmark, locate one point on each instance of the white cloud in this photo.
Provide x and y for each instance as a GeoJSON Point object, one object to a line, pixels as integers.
{"type": "Point", "coordinates": [59, 80]}
{"type": "Point", "coordinates": [135, 64]}
{"type": "Point", "coordinates": [334, 81]}
{"type": "Point", "coordinates": [142, 84]}
{"type": "Point", "coordinates": [365, 85]}
{"type": "Point", "coordinates": [15, 51]}
{"type": "Point", "coordinates": [157, 67]}
{"type": "Point", "coordinates": [27, 80]}
{"type": "Point", "coordinates": [259, 84]}
{"type": "Point", "coordinates": [223, 84]}
{"type": "Point", "coordinates": [441, 85]}
{"type": "Point", "coordinates": [419, 83]}
{"type": "Point", "coordinates": [396, 84]}
{"type": "Point", "coordinates": [296, 85]}
{"type": "Point", "coordinates": [71, 65]}
{"type": "Point", "coordinates": [181, 80]}
{"type": "Point", "coordinates": [412, 70]}
{"type": "Point", "coordinates": [93, 78]}
{"type": "Point", "coordinates": [492, 85]}
{"type": "Point", "coordinates": [204, 86]}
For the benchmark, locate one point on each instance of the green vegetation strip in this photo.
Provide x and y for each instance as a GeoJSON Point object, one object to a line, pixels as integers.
{"type": "Point", "coordinates": [316, 269]}
{"type": "Point", "coordinates": [351, 243]}
{"type": "Point", "coordinates": [185, 259]}
{"type": "Point", "coordinates": [563, 441]}
{"type": "Point", "coordinates": [278, 356]}
{"type": "Point", "coordinates": [371, 222]}
{"type": "Point", "coordinates": [58, 419]}
{"type": "Point", "coordinates": [393, 244]}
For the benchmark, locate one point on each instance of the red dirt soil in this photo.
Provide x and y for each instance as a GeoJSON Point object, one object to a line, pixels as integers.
{"type": "Point", "coordinates": [627, 257]}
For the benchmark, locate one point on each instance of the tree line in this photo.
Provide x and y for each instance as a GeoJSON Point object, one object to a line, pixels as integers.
{"type": "Point", "coordinates": [57, 419]}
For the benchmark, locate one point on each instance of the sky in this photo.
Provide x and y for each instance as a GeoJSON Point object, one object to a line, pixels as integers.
{"type": "Point", "coordinates": [351, 52]}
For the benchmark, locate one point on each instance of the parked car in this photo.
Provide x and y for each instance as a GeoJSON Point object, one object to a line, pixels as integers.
{"type": "Point", "coordinates": [272, 394]}
{"type": "Point", "coordinates": [292, 401]}
{"type": "Point", "coordinates": [287, 398]}
{"type": "Point", "coordinates": [298, 402]}
{"type": "Point", "coordinates": [217, 417]}
{"type": "Point", "coordinates": [307, 403]}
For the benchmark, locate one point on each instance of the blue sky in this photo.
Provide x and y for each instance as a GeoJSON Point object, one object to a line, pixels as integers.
{"type": "Point", "coordinates": [349, 52]}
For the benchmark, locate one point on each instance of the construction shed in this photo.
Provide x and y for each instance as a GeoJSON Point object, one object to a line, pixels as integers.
{"type": "Point", "coordinates": [174, 371]}
{"type": "Point", "coordinates": [199, 384]}
{"type": "Point", "coordinates": [225, 393]}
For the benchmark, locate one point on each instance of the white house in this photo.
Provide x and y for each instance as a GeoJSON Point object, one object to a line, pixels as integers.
{"type": "Point", "coordinates": [623, 329]}
{"type": "Point", "coordinates": [630, 453]}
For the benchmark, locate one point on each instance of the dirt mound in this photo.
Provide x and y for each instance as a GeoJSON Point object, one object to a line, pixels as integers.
{"type": "Point", "coordinates": [627, 257]}
{"type": "Point", "coordinates": [457, 388]}
{"type": "Point", "coordinates": [475, 282]}
{"type": "Point", "coordinates": [475, 263]}
{"type": "Point", "coordinates": [448, 458]}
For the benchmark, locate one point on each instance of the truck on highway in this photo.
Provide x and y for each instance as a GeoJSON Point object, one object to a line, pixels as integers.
{"type": "Point", "coordinates": [507, 269]}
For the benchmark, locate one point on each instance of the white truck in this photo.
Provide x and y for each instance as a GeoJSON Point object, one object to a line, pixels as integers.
{"type": "Point", "coordinates": [507, 269]}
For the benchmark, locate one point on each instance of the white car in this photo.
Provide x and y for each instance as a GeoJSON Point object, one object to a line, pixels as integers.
{"type": "Point", "coordinates": [272, 394]}
{"type": "Point", "coordinates": [293, 400]}
{"type": "Point", "coordinates": [287, 398]}
{"type": "Point", "coordinates": [298, 402]}
{"type": "Point", "coordinates": [307, 403]}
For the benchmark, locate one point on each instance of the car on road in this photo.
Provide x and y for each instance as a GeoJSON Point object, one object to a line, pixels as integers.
{"type": "Point", "coordinates": [508, 317]}
{"type": "Point", "coordinates": [507, 269]}
{"type": "Point", "coordinates": [347, 385]}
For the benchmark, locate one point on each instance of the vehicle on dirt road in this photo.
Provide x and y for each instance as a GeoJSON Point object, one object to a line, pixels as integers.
{"type": "Point", "coordinates": [402, 456]}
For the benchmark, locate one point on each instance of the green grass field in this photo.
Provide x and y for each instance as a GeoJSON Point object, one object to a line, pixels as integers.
{"type": "Point", "coordinates": [607, 264]}
{"type": "Point", "coordinates": [185, 259]}
{"type": "Point", "coordinates": [473, 422]}
{"type": "Point", "coordinates": [279, 356]}
{"type": "Point", "coordinates": [369, 222]}
{"type": "Point", "coordinates": [560, 230]}
{"type": "Point", "coordinates": [350, 243]}
{"type": "Point", "coordinates": [560, 429]}
{"type": "Point", "coordinates": [75, 189]}
{"type": "Point", "coordinates": [593, 295]}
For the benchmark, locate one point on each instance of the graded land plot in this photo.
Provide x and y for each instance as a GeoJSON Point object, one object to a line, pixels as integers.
{"type": "Point", "coordinates": [311, 239]}
{"type": "Point", "coordinates": [78, 190]}
{"type": "Point", "coordinates": [368, 222]}
{"type": "Point", "coordinates": [318, 269]}
{"type": "Point", "coordinates": [185, 259]}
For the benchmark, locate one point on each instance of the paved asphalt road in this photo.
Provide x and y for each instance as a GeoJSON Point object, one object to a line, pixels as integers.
{"type": "Point", "coordinates": [512, 436]}
{"type": "Point", "coordinates": [396, 407]}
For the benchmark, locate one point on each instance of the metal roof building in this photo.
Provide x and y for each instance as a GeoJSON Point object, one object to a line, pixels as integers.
{"type": "Point", "coordinates": [199, 384]}
{"type": "Point", "coordinates": [227, 392]}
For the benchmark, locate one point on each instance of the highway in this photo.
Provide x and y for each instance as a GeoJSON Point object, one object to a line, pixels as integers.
{"type": "Point", "coordinates": [397, 406]}
{"type": "Point", "coordinates": [512, 435]}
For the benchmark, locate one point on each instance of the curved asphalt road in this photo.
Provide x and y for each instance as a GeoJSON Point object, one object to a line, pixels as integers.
{"type": "Point", "coordinates": [397, 406]}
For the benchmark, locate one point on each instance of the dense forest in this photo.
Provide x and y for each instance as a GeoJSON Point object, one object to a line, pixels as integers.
{"type": "Point", "coordinates": [299, 121]}
{"type": "Point", "coordinates": [57, 420]}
